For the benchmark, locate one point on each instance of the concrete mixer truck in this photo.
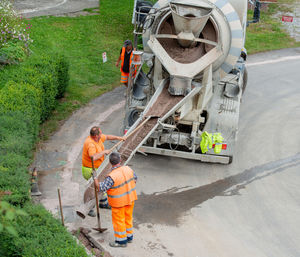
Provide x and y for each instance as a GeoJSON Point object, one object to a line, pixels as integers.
{"type": "Point", "coordinates": [185, 86]}
{"type": "Point", "coordinates": [190, 47]}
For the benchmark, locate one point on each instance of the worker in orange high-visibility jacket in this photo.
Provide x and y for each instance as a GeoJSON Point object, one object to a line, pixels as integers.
{"type": "Point", "coordinates": [121, 193]}
{"type": "Point", "coordinates": [126, 59]}
{"type": "Point", "coordinates": [94, 147]}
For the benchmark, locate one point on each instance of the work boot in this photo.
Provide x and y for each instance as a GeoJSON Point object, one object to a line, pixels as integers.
{"type": "Point", "coordinates": [115, 244]}
{"type": "Point", "coordinates": [92, 213]}
{"type": "Point", "coordinates": [104, 206]}
{"type": "Point", "coordinates": [130, 239]}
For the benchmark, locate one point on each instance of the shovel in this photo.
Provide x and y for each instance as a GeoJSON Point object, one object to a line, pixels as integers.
{"type": "Point", "coordinates": [99, 229]}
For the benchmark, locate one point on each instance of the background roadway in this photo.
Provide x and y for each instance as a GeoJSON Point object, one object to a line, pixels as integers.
{"type": "Point", "coordinates": [33, 8]}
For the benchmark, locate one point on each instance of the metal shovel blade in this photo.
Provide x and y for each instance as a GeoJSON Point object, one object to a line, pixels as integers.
{"type": "Point", "coordinates": [100, 230]}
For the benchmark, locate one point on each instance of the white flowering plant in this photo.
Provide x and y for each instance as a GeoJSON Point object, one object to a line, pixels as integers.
{"type": "Point", "coordinates": [14, 32]}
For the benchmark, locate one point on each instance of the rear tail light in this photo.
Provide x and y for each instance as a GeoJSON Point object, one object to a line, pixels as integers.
{"type": "Point", "coordinates": [224, 146]}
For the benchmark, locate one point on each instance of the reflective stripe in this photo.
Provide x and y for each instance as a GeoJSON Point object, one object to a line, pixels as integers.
{"type": "Point", "coordinates": [118, 196]}
{"type": "Point", "coordinates": [226, 67]}
{"type": "Point", "coordinates": [126, 182]}
{"type": "Point", "coordinates": [221, 3]}
{"type": "Point", "coordinates": [235, 51]}
{"type": "Point", "coordinates": [232, 16]}
{"type": "Point", "coordinates": [120, 233]}
{"type": "Point", "coordinates": [117, 239]}
{"type": "Point", "coordinates": [237, 33]}
{"type": "Point", "coordinates": [129, 229]}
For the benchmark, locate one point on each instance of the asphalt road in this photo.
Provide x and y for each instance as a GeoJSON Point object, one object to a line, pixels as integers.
{"type": "Point", "coordinates": [32, 8]}
{"type": "Point", "coordinates": [188, 208]}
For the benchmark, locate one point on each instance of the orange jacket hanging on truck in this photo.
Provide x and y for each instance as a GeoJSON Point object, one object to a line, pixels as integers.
{"type": "Point", "coordinates": [123, 191]}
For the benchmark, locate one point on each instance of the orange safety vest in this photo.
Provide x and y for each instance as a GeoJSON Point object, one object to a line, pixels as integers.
{"type": "Point", "coordinates": [123, 57]}
{"type": "Point", "coordinates": [123, 191]}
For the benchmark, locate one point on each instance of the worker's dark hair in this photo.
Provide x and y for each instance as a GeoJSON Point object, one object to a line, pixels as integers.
{"type": "Point", "coordinates": [127, 43]}
{"type": "Point", "coordinates": [95, 131]}
{"type": "Point", "coordinates": [114, 158]}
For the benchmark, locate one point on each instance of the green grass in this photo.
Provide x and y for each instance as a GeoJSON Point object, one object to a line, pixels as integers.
{"type": "Point", "coordinates": [83, 40]}
{"type": "Point", "coordinates": [269, 33]}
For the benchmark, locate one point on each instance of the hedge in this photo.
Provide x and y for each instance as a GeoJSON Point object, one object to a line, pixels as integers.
{"type": "Point", "coordinates": [39, 235]}
{"type": "Point", "coordinates": [21, 97]}
{"type": "Point", "coordinates": [27, 98]}
{"type": "Point", "coordinates": [16, 143]}
{"type": "Point", "coordinates": [48, 73]}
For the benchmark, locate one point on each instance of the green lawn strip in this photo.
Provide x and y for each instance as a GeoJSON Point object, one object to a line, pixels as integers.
{"type": "Point", "coordinates": [82, 40]}
{"type": "Point", "coordinates": [269, 33]}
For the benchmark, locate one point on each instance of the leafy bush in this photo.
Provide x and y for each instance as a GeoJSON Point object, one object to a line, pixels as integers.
{"type": "Point", "coordinates": [49, 74]}
{"type": "Point", "coordinates": [7, 214]}
{"type": "Point", "coordinates": [12, 53]}
{"type": "Point", "coordinates": [39, 235]}
{"type": "Point", "coordinates": [45, 82]}
{"type": "Point", "coordinates": [57, 66]}
{"type": "Point", "coordinates": [62, 73]}
{"type": "Point", "coordinates": [21, 97]}
{"type": "Point", "coordinates": [16, 141]}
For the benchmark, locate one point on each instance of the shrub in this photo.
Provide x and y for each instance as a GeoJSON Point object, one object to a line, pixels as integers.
{"type": "Point", "coordinates": [12, 53]}
{"type": "Point", "coordinates": [15, 121]}
{"type": "Point", "coordinates": [21, 97]}
{"type": "Point", "coordinates": [57, 66]}
{"type": "Point", "coordinates": [62, 73]}
{"type": "Point", "coordinates": [45, 82]}
{"type": "Point", "coordinates": [39, 235]}
{"type": "Point", "coordinates": [49, 74]}
{"type": "Point", "coordinates": [7, 214]}
{"type": "Point", "coordinates": [16, 142]}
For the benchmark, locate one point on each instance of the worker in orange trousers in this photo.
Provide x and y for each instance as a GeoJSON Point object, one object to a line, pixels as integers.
{"type": "Point", "coordinates": [121, 193]}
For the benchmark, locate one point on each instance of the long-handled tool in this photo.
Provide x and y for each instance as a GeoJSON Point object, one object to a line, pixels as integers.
{"type": "Point", "coordinates": [60, 207]}
{"type": "Point", "coordinates": [101, 230]}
